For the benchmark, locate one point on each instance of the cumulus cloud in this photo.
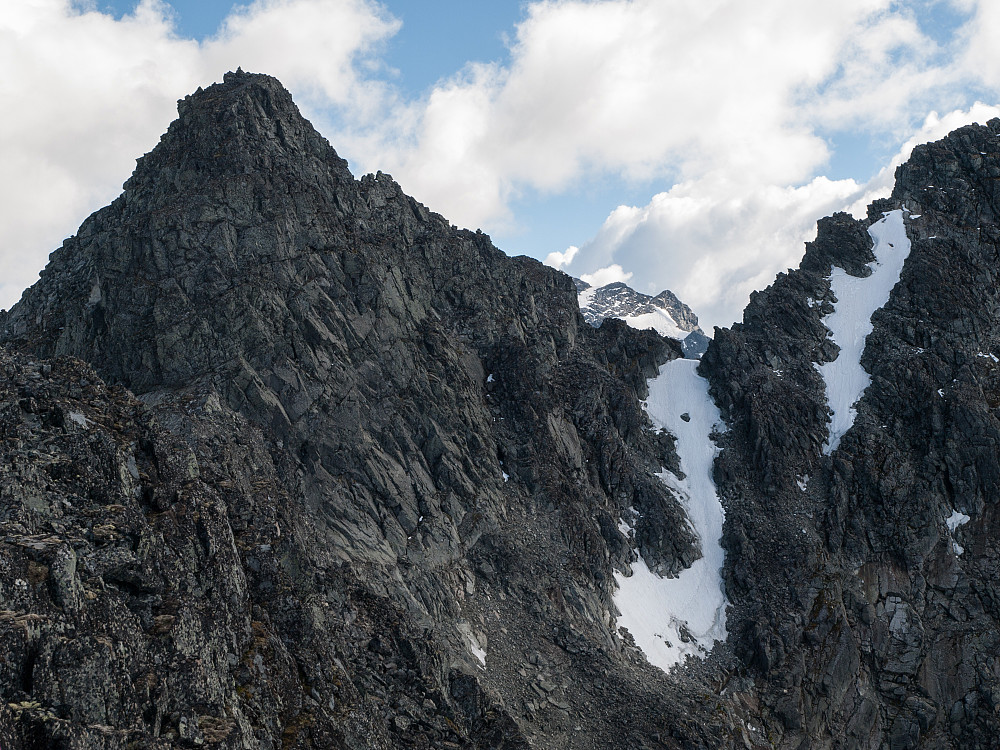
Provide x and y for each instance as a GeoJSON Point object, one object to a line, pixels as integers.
{"type": "Point", "coordinates": [607, 275]}
{"type": "Point", "coordinates": [558, 260]}
{"type": "Point", "coordinates": [711, 243]}
{"type": "Point", "coordinates": [647, 90]}
{"type": "Point", "coordinates": [85, 94]}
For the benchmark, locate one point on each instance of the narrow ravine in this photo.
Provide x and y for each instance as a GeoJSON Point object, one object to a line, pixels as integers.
{"type": "Point", "coordinates": [672, 618]}
{"type": "Point", "coordinates": [851, 321]}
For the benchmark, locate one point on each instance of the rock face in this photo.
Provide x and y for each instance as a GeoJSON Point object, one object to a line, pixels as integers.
{"type": "Point", "coordinates": [367, 491]}
{"type": "Point", "coordinates": [867, 612]}
{"type": "Point", "coordinates": [288, 461]}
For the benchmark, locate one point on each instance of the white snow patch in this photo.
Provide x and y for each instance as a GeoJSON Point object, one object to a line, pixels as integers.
{"type": "Point", "coordinates": [81, 420]}
{"type": "Point", "coordinates": [506, 476]}
{"type": "Point", "coordinates": [624, 526]}
{"type": "Point", "coordinates": [583, 298]}
{"type": "Point", "coordinates": [941, 392]}
{"type": "Point", "coordinates": [953, 521]}
{"type": "Point", "coordinates": [660, 321]}
{"type": "Point", "coordinates": [850, 322]}
{"type": "Point", "coordinates": [478, 651]}
{"type": "Point", "coordinates": [489, 378]}
{"type": "Point", "coordinates": [657, 610]}
{"type": "Point", "coordinates": [803, 482]}
{"type": "Point", "coordinates": [956, 519]}
{"type": "Point", "coordinates": [990, 356]}
{"type": "Point", "coordinates": [915, 216]}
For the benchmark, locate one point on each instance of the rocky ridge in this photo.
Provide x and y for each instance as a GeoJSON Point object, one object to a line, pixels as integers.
{"type": "Point", "coordinates": [863, 604]}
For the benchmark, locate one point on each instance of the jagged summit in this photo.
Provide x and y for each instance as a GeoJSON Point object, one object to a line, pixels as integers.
{"type": "Point", "coordinates": [249, 122]}
{"type": "Point", "coordinates": [664, 313]}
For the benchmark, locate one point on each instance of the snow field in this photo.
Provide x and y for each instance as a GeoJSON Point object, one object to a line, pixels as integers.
{"type": "Point", "coordinates": [672, 618]}
{"type": "Point", "coordinates": [850, 322]}
{"type": "Point", "coordinates": [660, 321]}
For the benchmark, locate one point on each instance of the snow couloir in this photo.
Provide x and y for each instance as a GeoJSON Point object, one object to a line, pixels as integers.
{"type": "Point", "coordinates": [671, 618]}
{"type": "Point", "coordinates": [851, 321]}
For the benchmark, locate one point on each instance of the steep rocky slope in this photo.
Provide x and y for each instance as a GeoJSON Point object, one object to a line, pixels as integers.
{"type": "Point", "coordinates": [413, 459]}
{"type": "Point", "coordinates": [865, 581]}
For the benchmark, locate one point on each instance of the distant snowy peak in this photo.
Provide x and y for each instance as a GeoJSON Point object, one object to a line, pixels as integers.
{"type": "Point", "coordinates": [664, 313]}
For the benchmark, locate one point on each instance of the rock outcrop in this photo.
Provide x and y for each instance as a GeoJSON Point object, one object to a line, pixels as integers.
{"type": "Point", "coordinates": [865, 582]}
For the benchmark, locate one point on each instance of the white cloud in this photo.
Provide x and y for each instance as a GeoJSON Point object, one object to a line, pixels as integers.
{"type": "Point", "coordinates": [607, 275]}
{"type": "Point", "coordinates": [712, 243]}
{"type": "Point", "coordinates": [558, 260]}
{"type": "Point", "coordinates": [85, 94]}
{"type": "Point", "coordinates": [644, 90]}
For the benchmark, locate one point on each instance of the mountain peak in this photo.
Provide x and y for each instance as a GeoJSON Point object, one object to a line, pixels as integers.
{"type": "Point", "coordinates": [665, 313]}
{"type": "Point", "coordinates": [245, 125]}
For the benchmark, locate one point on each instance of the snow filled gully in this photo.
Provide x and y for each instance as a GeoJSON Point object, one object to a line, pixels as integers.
{"type": "Point", "coordinates": [851, 321]}
{"type": "Point", "coordinates": [672, 618]}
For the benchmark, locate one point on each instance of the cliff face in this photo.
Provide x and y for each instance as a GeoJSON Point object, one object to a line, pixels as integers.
{"type": "Point", "coordinates": [288, 461]}
{"type": "Point", "coordinates": [866, 579]}
{"type": "Point", "coordinates": [413, 457]}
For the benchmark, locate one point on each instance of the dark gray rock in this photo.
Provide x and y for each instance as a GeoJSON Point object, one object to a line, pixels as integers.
{"type": "Point", "coordinates": [363, 439]}
{"type": "Point", "coordinates": [849, 598]}
{"type": "Point", "coordinates": [695, 344]}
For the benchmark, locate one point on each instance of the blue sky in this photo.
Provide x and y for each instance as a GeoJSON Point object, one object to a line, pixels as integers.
{"type": "Point", "coordinates": [681, 144]}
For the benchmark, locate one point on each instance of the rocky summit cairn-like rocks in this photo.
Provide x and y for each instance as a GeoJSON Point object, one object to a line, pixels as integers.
{"type": "Point", "coordinates": [288, 461]}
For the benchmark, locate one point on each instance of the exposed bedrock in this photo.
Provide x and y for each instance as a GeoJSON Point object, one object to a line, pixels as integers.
{"type": "Point", "coordinates": [868, 620]}
{"type": "Point", "coordinates": [412, 451]}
